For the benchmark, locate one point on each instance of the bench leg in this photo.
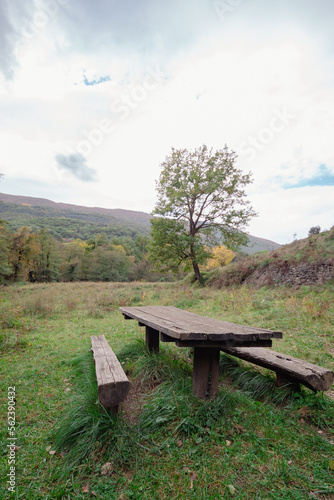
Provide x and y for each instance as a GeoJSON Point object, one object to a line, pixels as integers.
{"type": "Point", "coordinates": [283, 380]}
{"type": "Point", "coordinates": [152, 339]}
{"type": "Point", "coordinates": [206, 372]}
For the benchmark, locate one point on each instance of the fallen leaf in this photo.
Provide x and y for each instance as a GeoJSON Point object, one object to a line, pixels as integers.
{"type": "Point", "coordinates": [228, 443]}
{"type": "Point", "coordinates": [331, 464]}
{"type": "Point", "coordinates": [106, 468]}
{"type": "Point", "coordinates": [193, 476]}
{"type": "Point", "coordinates": [289, 462]}
{"type": "Point", "coordinates": [52, 452]}
{"type": "Point", "coordinates": [67, 389]}
{"type": "Point", "coordinates": [85, 489]}
{"type": "Point", "coordinates": [94, 493]}
{"type": "Point", "coordinates": [48, 448]}
{"type": "Point", "coordinates": [49, 395]}
{"type": "Point", "coordinates": [186, 469]}
{"type": "Point", "coordinates": [239, 428]}
{"type": "Point", "coordinates": [179, 443]}
{"type": "Point", "coordinates": [231, 489]}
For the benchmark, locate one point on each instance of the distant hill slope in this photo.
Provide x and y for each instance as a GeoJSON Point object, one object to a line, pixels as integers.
{"type": "Point", "coordinates": [73, 221]}
{"type": "Point", "coordinates": [259, 245]}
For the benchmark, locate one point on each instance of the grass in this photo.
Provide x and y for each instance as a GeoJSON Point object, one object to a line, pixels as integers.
{"type": "Point", "coordinates": [254, 441]}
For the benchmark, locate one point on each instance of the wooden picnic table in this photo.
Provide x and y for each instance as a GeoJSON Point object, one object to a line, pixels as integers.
{"type": "Point", "coordinates": [206, 335]}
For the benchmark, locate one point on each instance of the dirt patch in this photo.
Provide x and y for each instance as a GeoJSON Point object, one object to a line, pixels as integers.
{"type": "Point", "coordinates": [132, 406]}
{"type": "Point", "coordinates": [135, 400]}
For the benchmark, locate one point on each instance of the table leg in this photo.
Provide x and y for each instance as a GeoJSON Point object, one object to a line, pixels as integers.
{"type": "Point", "coordinates": [206, 372]}
{"type": "Point", "coordinates": [152, 339]}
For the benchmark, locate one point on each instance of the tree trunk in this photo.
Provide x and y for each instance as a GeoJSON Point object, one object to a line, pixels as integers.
{"type": "Point", "coordinates": [197, 272]}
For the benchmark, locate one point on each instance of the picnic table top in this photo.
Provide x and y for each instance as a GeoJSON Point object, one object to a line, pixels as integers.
{"type": "Point", "coordinates": [185, 325]}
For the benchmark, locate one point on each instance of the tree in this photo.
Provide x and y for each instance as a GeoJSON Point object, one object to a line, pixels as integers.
{"type": "Point", "coordinates": [108, 264]}
{"type": "Point", "coordinates": [314, 230]}
{"type": "Point", "coordinates": [48, 259]}
{"type": "Point", "coordinates": [24, 254]}
{"type": "Point", "coordinates": [221, 256]}
{"type": "Point", "coordinates": [201, 203]}
{"type": "Point", "coordinates": [73, 265]}
{"type": "Point", "coordinates": [5, 269]}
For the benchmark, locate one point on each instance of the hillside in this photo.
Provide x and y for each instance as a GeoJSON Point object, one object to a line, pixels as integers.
{"type": "Point", "coordinates": [71, 221]}
{"type": "Point", "coordinates": [64, 220]}
{"type": "Point", "coordinates": [308, 261]}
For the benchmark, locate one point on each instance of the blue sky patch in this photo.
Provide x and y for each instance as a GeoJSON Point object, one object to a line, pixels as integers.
{"type": "Point", "coordinates": [322, 177]}
{"type": "Point", "coordinates": [96, 81]}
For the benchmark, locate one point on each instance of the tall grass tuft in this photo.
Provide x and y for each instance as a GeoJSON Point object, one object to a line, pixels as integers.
{"type": "Point", "coordinates": [174, 408]}
{"type": "Point", "coordinates": [150, 369]}
{"type": "Point", "coordinates": [252, 382]}
{"type": "Point", "coordinates": [85, 423]}
{"type": "Point", "coordinates": [315, 407]}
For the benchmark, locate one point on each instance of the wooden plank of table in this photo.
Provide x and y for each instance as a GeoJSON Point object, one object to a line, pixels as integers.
{"type": "Point", "coordinates": [185, 325]}
{"type": "Point", "coordinates": [223, 343]}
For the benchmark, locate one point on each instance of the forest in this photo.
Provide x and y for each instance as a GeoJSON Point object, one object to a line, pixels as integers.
{"type": "Point", "coordinates": [39, 257]}
{"type": "Point", "coordinates": [31, 256]}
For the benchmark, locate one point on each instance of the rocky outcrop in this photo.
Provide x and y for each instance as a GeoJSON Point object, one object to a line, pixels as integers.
{"type": "Point", "coordinates": [295, 274]}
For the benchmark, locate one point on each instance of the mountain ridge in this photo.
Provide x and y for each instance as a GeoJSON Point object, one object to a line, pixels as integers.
{"type": "Point", "coordinates": [36, 212]}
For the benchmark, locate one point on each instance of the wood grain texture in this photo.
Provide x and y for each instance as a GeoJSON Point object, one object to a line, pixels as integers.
{"type": "Point", "coordinates": [113, 385]}
{"type": "Point", "coordinates": [185, 325]}
{"type": "Point", "coordinates": [287, 367]}
{"type": "Point", "coordinates": [206, 372]}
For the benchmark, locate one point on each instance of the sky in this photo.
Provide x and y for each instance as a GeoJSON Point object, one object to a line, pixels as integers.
{"type": "Point", "coordinates": [94, 95]}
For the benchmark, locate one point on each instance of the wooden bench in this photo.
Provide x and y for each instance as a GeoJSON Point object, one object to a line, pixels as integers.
{"type": "Point", "coordinates": [289, 371]}
{"type": "Point", "coordinates": [113, 385]}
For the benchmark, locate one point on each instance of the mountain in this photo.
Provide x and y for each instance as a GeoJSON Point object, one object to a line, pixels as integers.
{"type": "Point", "coordinates": [64, 220]}
{"type": "Point", "coordinates": [256, 244]}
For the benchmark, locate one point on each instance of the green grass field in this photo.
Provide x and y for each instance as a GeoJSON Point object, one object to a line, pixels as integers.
{"type": "Point", "coordinates": [254, 441]}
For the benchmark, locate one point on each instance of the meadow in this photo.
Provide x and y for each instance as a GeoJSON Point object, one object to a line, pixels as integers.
{"type": "Point", "coordinates": [254, 441]}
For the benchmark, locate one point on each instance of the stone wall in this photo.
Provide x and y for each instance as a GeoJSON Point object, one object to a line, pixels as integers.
{"type": "Point", "coordinates": [295, 274]}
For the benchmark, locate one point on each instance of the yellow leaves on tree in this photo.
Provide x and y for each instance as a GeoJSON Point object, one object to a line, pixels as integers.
{"type": "Point", "coordinates": [221, 256]}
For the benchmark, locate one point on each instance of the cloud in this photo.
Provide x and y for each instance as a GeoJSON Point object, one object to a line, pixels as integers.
{"type": "Point", "coordinates": [322, 177]}
{"type": "Point", "coordinates": [76, 164]}
{"type": "Point", "coordinates": [7, 59]}
{"type": "Point", "coordinates": [14, 19]}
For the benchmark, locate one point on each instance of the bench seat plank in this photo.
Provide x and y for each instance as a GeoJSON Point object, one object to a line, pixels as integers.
{"type": "Point", "coordinates": [313, 376]}
{"type": "Point", "coordinates": [113, 384]}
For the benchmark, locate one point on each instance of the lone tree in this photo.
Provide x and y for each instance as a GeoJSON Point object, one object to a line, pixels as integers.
{"type": "Point", "coordinates": [201, 204]}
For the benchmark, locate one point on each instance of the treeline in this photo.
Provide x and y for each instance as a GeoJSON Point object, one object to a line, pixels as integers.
{"type": "Point", "coordinates": [31, 256]}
